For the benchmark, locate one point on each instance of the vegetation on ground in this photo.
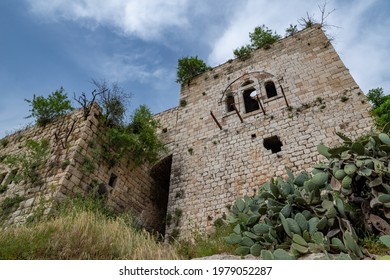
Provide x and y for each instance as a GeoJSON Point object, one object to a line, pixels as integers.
{"type": "Point", "coordinates": [83, 228]}
{"type": "Point", "coordinates": [206, 244]}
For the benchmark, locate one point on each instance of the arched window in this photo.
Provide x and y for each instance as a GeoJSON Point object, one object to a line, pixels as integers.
{"type": "Point", "coordinates": [270, 89]}
{"type": "Point", "coordinates": [229, 102]}
{"type": "Point", "coordinates": [250, 101]}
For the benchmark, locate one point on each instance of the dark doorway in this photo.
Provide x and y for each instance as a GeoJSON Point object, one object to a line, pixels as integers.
{"type": "Point", "coordinates": [161, 173]}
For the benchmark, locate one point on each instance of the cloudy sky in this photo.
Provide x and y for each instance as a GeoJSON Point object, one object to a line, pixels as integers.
{"type": "Point", "coordinates": [48, 44]}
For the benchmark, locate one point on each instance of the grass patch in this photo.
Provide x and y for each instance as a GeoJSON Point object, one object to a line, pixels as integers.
{"type": "Point", "coordinates": [84, 228]}
{"type": "Point", "coordinates": [203, 245]}
{"type": "Point", "coordinates": [8, 205]}
{"type": "Point", "coordinates": [82, 231]}
{"type": "Point", "coordinates": [374, 246]}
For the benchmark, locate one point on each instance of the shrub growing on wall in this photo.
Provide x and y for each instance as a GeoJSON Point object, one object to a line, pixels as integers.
{"type": "Point", "coordinates": [47, 109]}
{"type": "Point", "coordinates": [189, 67]}
{"type": "Point", "coordinates": [261, 37]}
{"type": "Point", "coordinates": [138, 140]}
{"type": "Point", "coordinates": [30, 162]}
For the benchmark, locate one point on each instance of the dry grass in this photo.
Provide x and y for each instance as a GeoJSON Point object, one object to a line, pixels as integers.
{"type": "Point", "coordinates": [81, 234]}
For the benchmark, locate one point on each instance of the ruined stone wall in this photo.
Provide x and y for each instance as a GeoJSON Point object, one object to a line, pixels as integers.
{"type": "Point", "coordinates": [37, 196]}
{"type": "Point", "coordinates": [313, 96]}
{"type": "Point", "coordinates": [76, 166]}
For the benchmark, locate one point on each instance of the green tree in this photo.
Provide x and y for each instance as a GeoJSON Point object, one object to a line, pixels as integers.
{"type": "Point", "coordinates": [262, 37]}
{"type": "Point", "coordinates": [189, 67]}
{"type": "Point", "coordinates": [113, 100]}
{"type": "Point", "coordinates": [243, 52]}
{"type": "Point", "coordinates": [376, 97]}
{"type": "Point", "coordinates": [138, 140]}
{"type": "Point", "coordinates": [47, 109]}
{"type": "Point", "coordinates": [144, 128]}
{"type": "Point", "coordinates": [380, 106]}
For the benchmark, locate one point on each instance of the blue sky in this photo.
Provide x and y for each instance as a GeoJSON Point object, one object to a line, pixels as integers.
{"type": "Point", "coordinates": [48, 44]}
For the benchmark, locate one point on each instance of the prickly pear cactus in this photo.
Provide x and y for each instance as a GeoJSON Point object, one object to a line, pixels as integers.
{"type": "Point", "coordinates": [292, 217]}
{"type": "Point", "coordinates": [321, 211]}
{"type": "Point", "coordinates": [361, 175]}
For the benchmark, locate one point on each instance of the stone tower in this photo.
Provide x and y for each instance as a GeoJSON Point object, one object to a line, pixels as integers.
{"type": "Point", "coordinates": [246, 121]}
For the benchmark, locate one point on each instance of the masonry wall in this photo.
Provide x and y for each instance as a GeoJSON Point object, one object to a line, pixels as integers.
{"type": "Point", "coordinates": [74, 166]}
{"type": "Point", "coordinates": [315, 97]}
{"type": "Point", "coordinates": [38, 196]}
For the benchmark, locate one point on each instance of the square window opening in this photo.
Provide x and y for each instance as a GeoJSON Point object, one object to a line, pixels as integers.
{"type": "Point", "coordinates": [273, 143]}
{"type": "Point", "coordinates": [113, 180]}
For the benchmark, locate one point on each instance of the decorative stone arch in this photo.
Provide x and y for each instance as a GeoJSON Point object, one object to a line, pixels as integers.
{"type": "Point", "coordinates": [242, 87]}
{"type": "Point", "coordinates": [248, 91]}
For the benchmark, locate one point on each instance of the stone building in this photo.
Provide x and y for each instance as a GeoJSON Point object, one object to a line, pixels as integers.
{"type": "Point", "coordinates": [73, 166]}
{"type": "Point", "coordinates": [237, 126]}
{"type": "Point", "coordinates": [271, 111]}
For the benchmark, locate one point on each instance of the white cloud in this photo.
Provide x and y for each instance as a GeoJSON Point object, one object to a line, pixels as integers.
{"type": "Point", "coordinates": [146, 19]}
{"type": "Point", "coordinates": [363, 44]}
{"type": "Point", "coordinates": [122, 68]}
{"type": "Point", "coordinates": [362, 41]}
{"type": "Point", "coordinates": [276, 15]}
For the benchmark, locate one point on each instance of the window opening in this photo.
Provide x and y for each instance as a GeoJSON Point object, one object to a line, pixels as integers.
{"type": "Point", "coordinates": [250, 102]}
{"type": "Point", "coordinates": [273, 143]}
{"type": "Point", "coordinates": [230, 103]}
{"type": "Point", "coordinates": [112, 181]}
{"type": "Point", "coordinates": [270, 89]}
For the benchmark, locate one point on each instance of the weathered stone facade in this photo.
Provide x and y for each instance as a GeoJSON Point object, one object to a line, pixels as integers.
{"type": "Point", "coordinates": [270, 112]}
{"type": "Point", "coordinates": [73, 167]}
{"type": "Point", "coordinates": [306, 95]}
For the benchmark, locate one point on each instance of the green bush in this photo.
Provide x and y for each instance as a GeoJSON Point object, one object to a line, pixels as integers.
{"type": "Point", "coordinates": [138, 140]}
{"type": "Point", "coordinates": [189, 67]}
{"type": "Point", "coordinates": [47, 109]}
{"type": "Point", "coordinates": [261, 37]}
{"type": "Point", "coordinates": [30, 162]}
{"type": "Point", "coordinates": [243, 52]}
{"type": "Point", "coordinates": [380, 106]}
